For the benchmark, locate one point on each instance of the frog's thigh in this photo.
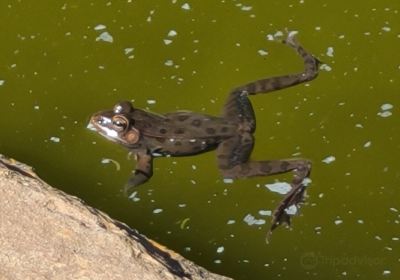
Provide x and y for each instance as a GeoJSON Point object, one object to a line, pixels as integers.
{"type": "Point", "coordinates": [238, 108]}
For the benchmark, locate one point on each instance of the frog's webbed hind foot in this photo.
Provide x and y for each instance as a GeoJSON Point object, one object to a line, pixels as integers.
{"type": "Point", "coordinates": [281, 214]}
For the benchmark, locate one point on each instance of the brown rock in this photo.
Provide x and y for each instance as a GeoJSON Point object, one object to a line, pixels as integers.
{"type": "Point", "coordinates": [48, 234]}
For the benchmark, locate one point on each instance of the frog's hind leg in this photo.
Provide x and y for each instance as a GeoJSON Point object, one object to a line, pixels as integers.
{"type": "Point", "coordinates": [233, 161]}
{"type": "Point", "coordinates": [276, 83]}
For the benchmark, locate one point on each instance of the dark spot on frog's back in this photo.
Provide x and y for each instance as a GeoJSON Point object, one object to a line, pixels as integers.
{"type": "Point", "coordinates": [183, 118]}
{"type": "Point", "coordinates": [179, 131]}
{"type": "Point", "coordinates": [196, 122]}
{"type": "Point", "coordinates": [210, 130]}
{"type": "Point", "coordinates": [224, 129]}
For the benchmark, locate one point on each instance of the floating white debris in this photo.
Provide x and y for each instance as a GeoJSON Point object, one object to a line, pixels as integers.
{"type": "Point", "coordinates": [246, 8]}
{"type": "Point", "coordinates": [172, 33]}
{"type": "Point", "coordinates": [270, 37]}
{"type": "Point", "coordinates": [394, 209]}
{"type": "Point", "coordinates": [291, 210]}
{"type": "Point", "coordinates": [386, 28]}
{"type": "Point", "coordinates": [169, 63]}
{"type": "Point", "coordinates": [228, 180]}
{"type": "Point", "coordinates": [186, 6]}
{"type": "Point", "coordinates": [265, 212]}
{"type": "Point", "coordinates": [100, 27]}
{"type": "Point", "coordinates": [36, 107]}
{"type": "Point", "coordinates": [157, 211]}
{"type": "Point", "coordinates": [360, 221]}
{"type": "Point", "coordinates": [109, 160]}
{"type": "Point", "coordinates": [279, 187]}
{"type": "Point", "coordinates": [329, 159]}
{"type": "Point", "coordinates": [230, 222]}
{"type": "Point", "coordinates": [251, 220]}
{"type": "Point", "coordinates": [338, 222]}
{"type": "Point", "coordinates": [368, 144]}
{"type": "Point", "coordinates": [151, 101]}
{"type": "Point", "coordinates": [220, 249]}
{"type": "Point", "coordinates": [385, 114]}
{"type": "Point", "coordinates": [306, 181]}
{"type": "Point", "coordinates": [290, 34]}
{"type": "Point", "coordinates": [2, 82]}
{"type": "Point", "coordinates": [182, 205]}
{"type": "Point", "coordinates": [128, 50]}
{"type": "Point", "coordinates": [133, 197]}
{"type": "Point", "coordinates": [325, 67]}
{"type": "Point", "coordinates": [329, 51]}
{"type": "Point", "coordinates": [386, 272]}
{"type": "Point", "coordinates": [262, 52]}
{"type": "Point", "coordinates": [105, 37]}
{"type": "Point", "coordinates": [167, 41]}
{"type": "Point", "coordinates": [217, 261]}
{"type": "Point", "coordinates": [55, 139]}
{"type": "Point", "coordinates": [386, 107]}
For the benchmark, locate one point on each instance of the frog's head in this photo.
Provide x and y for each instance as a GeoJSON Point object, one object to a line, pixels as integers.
{"type": "Point", "coordinates": [116, 124]}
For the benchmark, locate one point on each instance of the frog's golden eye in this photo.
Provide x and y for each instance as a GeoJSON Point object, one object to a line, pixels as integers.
{"type": "Point", "coordinates": [120, 123]}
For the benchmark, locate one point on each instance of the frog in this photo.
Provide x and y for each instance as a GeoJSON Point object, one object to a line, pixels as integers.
{"type": "Point", "coordinates": [148, 135]}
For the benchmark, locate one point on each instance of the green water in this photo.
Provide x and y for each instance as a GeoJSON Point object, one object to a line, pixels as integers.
{"type": "Point", "coordinates": [54, 74]}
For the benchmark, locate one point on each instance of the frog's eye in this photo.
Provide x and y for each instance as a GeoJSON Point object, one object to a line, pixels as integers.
{"type": "Point", "coordinates": [123, 107]}
{"type": "Point", "coordinates": [120, 123]}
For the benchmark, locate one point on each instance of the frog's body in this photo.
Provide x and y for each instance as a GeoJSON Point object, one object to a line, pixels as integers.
{"type": "Point", "coordinates": [185, 133]}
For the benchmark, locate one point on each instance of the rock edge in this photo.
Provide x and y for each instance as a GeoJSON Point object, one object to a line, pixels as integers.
{"type": "Point", "coordinates": [48, 234]}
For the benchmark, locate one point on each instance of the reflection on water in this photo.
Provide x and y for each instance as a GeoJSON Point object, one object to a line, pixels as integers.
{"type": "Point", "coordinates": [59, 63]}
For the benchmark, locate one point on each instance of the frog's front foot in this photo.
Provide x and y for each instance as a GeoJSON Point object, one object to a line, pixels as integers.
{"type": "Point", "coordinates": [137, 179]}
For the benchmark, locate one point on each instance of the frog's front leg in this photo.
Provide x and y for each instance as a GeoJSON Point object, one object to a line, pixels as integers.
{"type": "Point", "coordinates": [233, 161]}
{"type": "Point", "coordinates": [143, 171]}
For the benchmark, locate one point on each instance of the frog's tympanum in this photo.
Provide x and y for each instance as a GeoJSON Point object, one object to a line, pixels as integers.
{"type": "Point", "coordinates": [184, 133]}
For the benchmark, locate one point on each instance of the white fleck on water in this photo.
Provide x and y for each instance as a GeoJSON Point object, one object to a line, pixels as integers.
{"type": "Point", "coordinates": [169, 63]}
{"type": "Point", "coordinates": [386, 272]}
{"type": "Point", "coordinates": [246, 8]}
{"type": "Point", "coordinates": [279, 187]}
{"type": "Point", "coordinates": [220, 249]}
{"type": "Point", "coordinates": [262, 52]}
{"type": "Point", "coordinates": [330, 51]}
{"type": "Point", "coordinates": [100, 27]}
{"type": "Point", "coordinates": [172, 33]}
{"type": "Point", "coordinates": [157, 211]}
{"type": "Point", "coordinates": [105, 37]}
{"type": "Point", "coordinates": [128, 50]}
{"type": "Point", "coordinates": [386, 107]}
{"type": "Point", "coordinates": [329, 159]}
{"type": "Point", "coordinates": [338, 222]}
{"type": "Point", "coordinates": [55, 139]}
{"type": "Point", "coordinates": [368, 144]}
{"type": "Point", "coordinates": [151, 101]}
{"type": "Point", "coordinates": [230, 222]}
{"type": "Point", "coordinates": [2, 82]}
{"type": "Point", "coordinates": [265, 212]}
{"type": "Point", "coordinates": [228, 180]}
{"type": "Point", "coordinates": [325, 67]}
{"type": "Point", "coordinates": [186, 6]}
{"type": "Point", "coordinates": [385, 114]}
{"type": "Point", "coordinates": [386, 28]}
{"type": "Point", "coordinates": [251, 220]}
{"type": "Point", "coordinates": [291, 210]}
{"type": "Point", "coordinates": [167, 41]}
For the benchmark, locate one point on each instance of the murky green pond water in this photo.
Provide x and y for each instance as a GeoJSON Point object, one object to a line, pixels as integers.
{"type": "Point", "coordinates": [58, 66]}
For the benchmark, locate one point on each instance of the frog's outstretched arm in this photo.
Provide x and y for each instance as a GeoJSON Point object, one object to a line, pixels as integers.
{"type": "Point", "coordinates": [143, 171]}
